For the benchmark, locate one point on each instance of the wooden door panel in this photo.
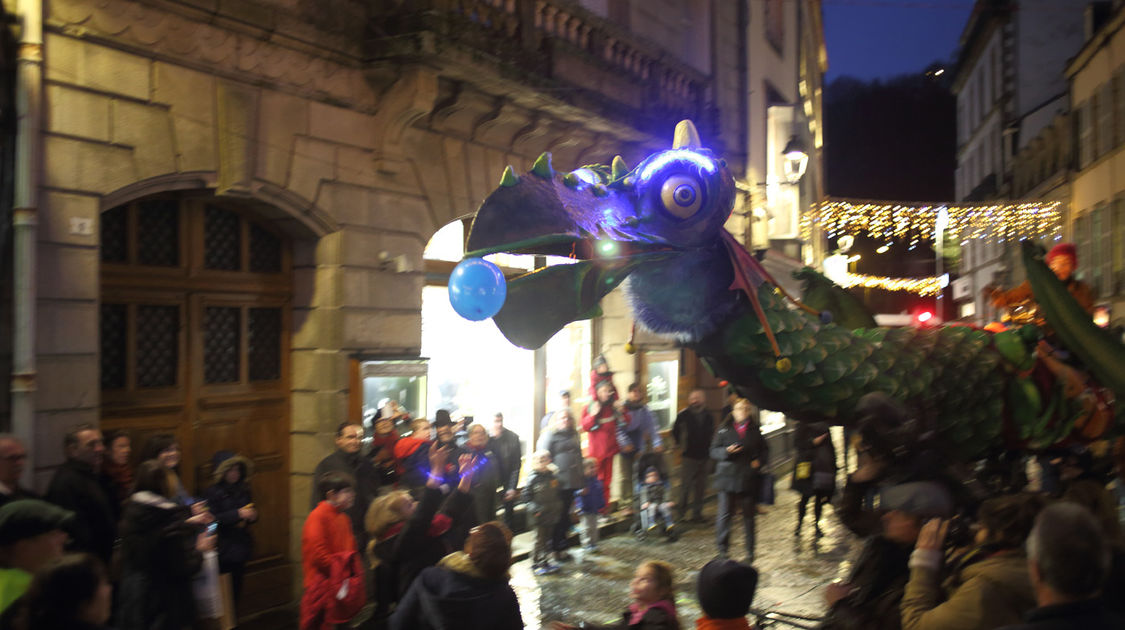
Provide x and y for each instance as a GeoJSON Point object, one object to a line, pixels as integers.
{"type": "Point", "coordinates": [237, 402]}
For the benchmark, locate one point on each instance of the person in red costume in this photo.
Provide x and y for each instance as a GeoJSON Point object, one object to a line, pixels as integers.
{"type": "Point", "coordinates": [1063, 260]}
{"type": "Point", "coordinates": [600, 420]}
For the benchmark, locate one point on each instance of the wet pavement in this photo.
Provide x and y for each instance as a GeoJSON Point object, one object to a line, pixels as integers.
{"type": "Point", "coordinates": [793, 570]}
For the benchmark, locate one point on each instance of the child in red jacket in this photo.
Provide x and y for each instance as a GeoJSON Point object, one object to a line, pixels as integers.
{"type": "Point", "coordinates": [327, 532]}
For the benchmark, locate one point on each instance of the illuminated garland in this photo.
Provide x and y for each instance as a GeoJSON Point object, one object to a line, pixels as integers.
{"type": "Point", "coordinates": [916, 221]}
{"type": "Point", "coordinates": [920, 286]}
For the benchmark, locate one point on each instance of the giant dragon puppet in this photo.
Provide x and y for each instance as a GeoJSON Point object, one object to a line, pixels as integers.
{"type": "Point", "coordinates": [661, 226]}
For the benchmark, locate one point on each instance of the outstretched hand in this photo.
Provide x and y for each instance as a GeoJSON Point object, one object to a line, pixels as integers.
{"type": "Point", "coordinates": [438, 455]}
{"type": "Point", "coordinates": [467, 465]}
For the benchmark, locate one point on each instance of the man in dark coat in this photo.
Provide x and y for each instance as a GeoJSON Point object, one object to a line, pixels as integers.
{"type": "Point", "coordinates": [692, 433]}
{"type": "Point", "coordinates": [13, 458]}
{"type": "Point", "coordinates": [1068, 559]}
{"type": "Point", "coordinates": [742, 456]}
{"type": "Point", "coordinates": [78, 487]}
{"type": "Point", "coordinates": [505, 444]}
{"type": "Point", "coordinates": [348, 460]}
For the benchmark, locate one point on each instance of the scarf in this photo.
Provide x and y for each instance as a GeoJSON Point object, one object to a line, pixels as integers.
{"type": "Point", "coordinates": [637, 612]}
{"type": "Point", "coordinates": [707, 623]}
{"type": "Point", "coordinates": [438, 526]}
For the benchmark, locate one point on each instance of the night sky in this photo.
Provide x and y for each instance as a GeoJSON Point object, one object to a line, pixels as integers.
{"type": "Point", "coordinates": [878, 39]}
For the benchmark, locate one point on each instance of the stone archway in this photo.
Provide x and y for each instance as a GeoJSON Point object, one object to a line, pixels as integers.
{"type": "Point", "coordinates": [194, 334]}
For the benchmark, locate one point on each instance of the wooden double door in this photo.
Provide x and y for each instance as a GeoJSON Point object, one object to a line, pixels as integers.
{"type": "Point", "coordinates": [194, 341]}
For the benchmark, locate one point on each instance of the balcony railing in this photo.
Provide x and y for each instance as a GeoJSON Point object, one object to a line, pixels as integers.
{"type": "Point", "coordinates": [553, 46]}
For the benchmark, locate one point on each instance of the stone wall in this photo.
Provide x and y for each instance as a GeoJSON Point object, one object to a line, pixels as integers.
{"type": "Point", "coordinates": [358, 165]}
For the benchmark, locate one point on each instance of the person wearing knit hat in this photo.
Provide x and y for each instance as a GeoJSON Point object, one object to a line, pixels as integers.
{"type": "Point", "coordinates": [725, 589]}
{"type": "Point", "coordinates": [32, 533]}
{"type": "Point", "coordinates": [1063, 260]}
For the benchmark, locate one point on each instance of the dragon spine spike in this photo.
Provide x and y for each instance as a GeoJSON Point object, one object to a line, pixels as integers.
{"type": "Point", "coordinates": [571, 180]}
{"type": "Point", "coordinates": [542, 167]}
{"type": "Point", "coordinates": [619, 168]}
{"type": "Point", "coordinates": [599, 190]}
{"type": "Point", "coordinates": [509, 178]}
{"type": "Point", "coordinates": [686, 136]}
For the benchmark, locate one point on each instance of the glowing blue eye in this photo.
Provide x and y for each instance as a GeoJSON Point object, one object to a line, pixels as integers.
{"type": "Point", "coordinates": [680, 195]}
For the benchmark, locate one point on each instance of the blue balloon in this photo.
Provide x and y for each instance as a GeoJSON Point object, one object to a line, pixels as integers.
{"type": "Point", "coordinates": [477, 289]}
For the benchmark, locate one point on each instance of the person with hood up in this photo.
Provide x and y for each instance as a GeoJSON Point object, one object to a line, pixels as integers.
{"type": "Point", "coordinates": [232, 504]}
{"type": "Point", "coordinates": [467, 590]}
{"type": "Point", "coordinates": [160, 554]}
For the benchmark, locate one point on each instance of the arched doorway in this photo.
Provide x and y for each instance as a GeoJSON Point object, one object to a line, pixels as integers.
{"type": "Point", "coordinates": [194, 341]}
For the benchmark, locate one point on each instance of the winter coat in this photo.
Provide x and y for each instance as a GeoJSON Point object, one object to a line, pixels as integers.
{"type": "Point", "coordinates": [814, 461]}
{"type": "Point", "coordinates": [366, 484]}
{"type": "Point", "coordinates": [455, 596]}
{"type": "Point", "coordinates": [417, 545]}
{"type": "Point", "coordinates": [878, 580]}
{"type": "Point", "coordinates": [327, 532]}
{"type": "Point", "coordinates": [413, 456]}
{"type": "Point", "coordinates": [158, 560]}
{"type": "Point", "coordinates": [486, 479]}
{"type": "Point", "coordinates": [591, 499]}
{"type": "Point", "coordinates": [1088, 614]}
{"type": "Point", "coordinates": [642, 428]}
{"type": "Point", "coordinates": [79, 489]}
{"type": "Point", "coordinates": [225, 500]}
{"type": "Point", "coordinates": [988, 593]}
{"type": "Point", "coordinates": [734, 472]}
{"type": "Point", "coordinates": [692, 431]}
{"type": "Point", "coordinates": [509, 453]}
{"type": "Point", "coordinates": [337, 598]}
{"type": "Point", "coordinates": [566, 454]}
{"type": "Point", "coordinates": [601, 429]}
{"type": "Point", "coordinates": [660, 616]}
{"type": "Point", "coordinates": [653, 493]}
{"type": "Point", "coordinates": [541, 492]}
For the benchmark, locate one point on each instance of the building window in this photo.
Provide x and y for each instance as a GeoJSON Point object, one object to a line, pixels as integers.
{"type": "Point", "coordinates": [775, 23]}
{"type": "Point", "coordinates": [1119, 107]}
{"type": "Point", "coordinates": [1118, 283]}
{"type": "Point", "coordinates": [1085, 131]}
{"type": "Point", "coordinates": [1082, 243]}
{"type": "Point", "coordinates": [1105, 118]}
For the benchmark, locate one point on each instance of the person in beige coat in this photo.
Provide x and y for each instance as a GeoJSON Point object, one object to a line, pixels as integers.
{"type": "Point", "coordinates": [986, 586]}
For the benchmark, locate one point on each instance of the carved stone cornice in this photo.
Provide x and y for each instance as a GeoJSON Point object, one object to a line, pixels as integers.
{"type": "Point", "coordinates": [155, 32]}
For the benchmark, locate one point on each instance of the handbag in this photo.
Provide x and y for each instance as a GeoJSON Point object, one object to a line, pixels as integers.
{"type": "Point", "coordinates": [766, 495]}
{"type": "Point", "coordinates": [803, 470]}
{"type": "Point", "coordinates": [206, 588]}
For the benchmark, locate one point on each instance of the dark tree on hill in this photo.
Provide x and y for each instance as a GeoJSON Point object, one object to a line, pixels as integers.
{"type": "Point", "coordinates": [890, 140]}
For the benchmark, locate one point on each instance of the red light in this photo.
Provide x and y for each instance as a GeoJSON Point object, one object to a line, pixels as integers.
{"type": "Point", "coordinates": [924, 317]}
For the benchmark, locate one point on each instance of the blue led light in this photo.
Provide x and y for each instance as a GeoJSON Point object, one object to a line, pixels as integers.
{"type": "Point", "coordinates": [661, 160]}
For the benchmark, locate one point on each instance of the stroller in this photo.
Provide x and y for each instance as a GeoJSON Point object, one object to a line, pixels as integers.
{"type": "Point", "coordinates": [655, 492]}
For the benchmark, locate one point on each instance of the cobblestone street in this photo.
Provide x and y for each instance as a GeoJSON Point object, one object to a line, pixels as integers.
{"type": "Point", "coordinates": [595, 588]}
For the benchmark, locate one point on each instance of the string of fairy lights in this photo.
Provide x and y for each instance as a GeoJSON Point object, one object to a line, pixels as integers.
{"type": "Point", "coordinates": [912, 223]}
{"type": "Point", "coordinates": [915, 222]}
{"type": "Point", "coordinates": [919, 286]}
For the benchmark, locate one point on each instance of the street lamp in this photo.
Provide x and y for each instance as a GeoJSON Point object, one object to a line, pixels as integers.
{"type": "Point", "coordinates": [796, 159]}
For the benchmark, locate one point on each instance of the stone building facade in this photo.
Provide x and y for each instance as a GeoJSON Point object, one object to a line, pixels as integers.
{"type": "Point", "coordinates": [211, 191]}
